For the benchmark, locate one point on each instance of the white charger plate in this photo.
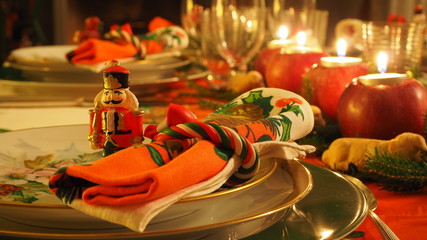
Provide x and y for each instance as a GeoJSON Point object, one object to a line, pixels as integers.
{"type": "Point", "coordinates": [50, 148]}
{"type": "Point", "coordinates": [49, 64]}
{"type": "Point", "coordinates": [257, 212]}
{"type": "Point", "coordinates": [333, 208]}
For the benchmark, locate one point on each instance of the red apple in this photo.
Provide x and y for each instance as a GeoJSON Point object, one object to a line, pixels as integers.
{"type": "Point", "coordinates": [285, 70]}
{"type": "Point", "coordinates": [326, 84]}
{"type": "Point", "coordinates": [382, 111]}
{"type": "Point", "coordinates": [264, 58]}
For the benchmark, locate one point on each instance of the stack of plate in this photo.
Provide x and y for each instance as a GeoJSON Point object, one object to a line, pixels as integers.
{"type": "Point", "coordinates": [49, 73]}
{"type": "Point", "coordinates": [281, 193]}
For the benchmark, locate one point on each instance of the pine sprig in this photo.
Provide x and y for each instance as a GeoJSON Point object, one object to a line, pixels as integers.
{"type": "Point", "coordinates": [395, 173]}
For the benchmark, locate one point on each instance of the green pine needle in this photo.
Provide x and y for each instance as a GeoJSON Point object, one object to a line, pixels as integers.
{"type": "Point", "coordinates": [395, 173]}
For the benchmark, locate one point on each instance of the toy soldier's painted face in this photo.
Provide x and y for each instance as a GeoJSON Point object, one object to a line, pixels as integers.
{"type": "Point", "coordinates": [113, 97]}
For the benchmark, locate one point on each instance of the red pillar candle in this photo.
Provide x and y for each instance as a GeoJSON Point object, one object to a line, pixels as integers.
{"type": "Point", "coordinates": [273, 47]}
{"type": "Point", "coordinates": [382, 106]}
{"type": "Point", "coordinates": [326, 82]}
{"type": "Point", "coordinates": [264, 57]}
{"type": "Point", "coordinates": [285, 69]}
{"type": "Point", "coordinates": [382, 110]}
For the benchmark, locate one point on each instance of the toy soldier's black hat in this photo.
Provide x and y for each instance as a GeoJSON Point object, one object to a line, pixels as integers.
{"type": "Point", "coordinates": [116, 76]}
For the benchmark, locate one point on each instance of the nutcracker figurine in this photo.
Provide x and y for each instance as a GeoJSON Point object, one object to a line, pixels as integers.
{"type": "Point", "coordinates": [115, 121]}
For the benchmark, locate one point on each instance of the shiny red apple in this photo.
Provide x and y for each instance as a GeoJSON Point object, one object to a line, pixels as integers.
{"type": "Point", "coordinates": [285, 70]}
{"type": "Point", "coordinates": [263, 58]}
{"type": "Point", "coordinates": [382, 111]}
{"type": "Point", "coordinates": [326, 84]}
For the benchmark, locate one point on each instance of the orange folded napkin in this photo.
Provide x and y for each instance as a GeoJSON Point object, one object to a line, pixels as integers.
{"type": "Point", "coordinates": [137, 216]}
{"type": "Point", "coordinates": [138, 175]}
{"type": "Point", "coordinates": [158, 22]}
{"type": "Point", "coordinates": [95, 51]}
{"type": "Point", "coordinates": [188, 159]}
{"type": "Point", "coordinates": [122, 43]}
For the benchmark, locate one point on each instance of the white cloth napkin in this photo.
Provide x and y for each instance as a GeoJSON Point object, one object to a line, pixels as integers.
{"type": "Point", "coordinates": [138, 216]}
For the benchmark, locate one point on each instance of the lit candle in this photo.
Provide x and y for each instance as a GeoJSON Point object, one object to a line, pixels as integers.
{"type": "Point", "coordinates": [286, 68]}
{"type": "Point", "coordinates": [283, 32]}
{"type": "Point", "coordinates": [383, 105]}
{"type": "Point", "coordinates": [341, 60]}
{"type": "Point", "coordinates": [301, 45]}
{"type": "Point", "coordinates": [382, 77]}
{"type": "Point", "coordinates": [273, 47]}
{"type": "Point", "coordinates": [282, 38]}
{"type": "Point", "coordinates": [327, 81]}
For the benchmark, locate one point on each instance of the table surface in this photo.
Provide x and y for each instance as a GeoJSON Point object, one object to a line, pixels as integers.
{"type": "Point", "coordinates": [405, 213]}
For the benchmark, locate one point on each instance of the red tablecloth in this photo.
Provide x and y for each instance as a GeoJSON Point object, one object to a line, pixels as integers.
{"type": "Point", "coordinates": [404, 213]}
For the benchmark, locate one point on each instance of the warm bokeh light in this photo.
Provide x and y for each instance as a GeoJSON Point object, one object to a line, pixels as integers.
{"type": "Point", "coordinates": [341, 47]}
{"type": "Point", "coordinates": [283, 32]}
{"type": "Point", "coordinates": [382, 60]}
{"type": "Point", "coordinates": [301, 38]}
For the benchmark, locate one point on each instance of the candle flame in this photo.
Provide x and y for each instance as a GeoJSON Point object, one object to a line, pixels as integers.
{"type": "Point", "coordinates": [382, 60]}
{"type": "Point", "coordinates": [283, 32]}
{"type": "Point", "coordinates": [341, 47]}
{"type": "Point", "coordinates": [249, 24]}
{"type": "Point", "coordinates": [301, 38]}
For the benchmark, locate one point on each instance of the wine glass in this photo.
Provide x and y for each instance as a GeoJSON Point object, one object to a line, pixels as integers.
{"type": "Point", "coordinates": [196, 20]}
{"type": "Point", "coordinates": [238, 29]}
{"type": "Point", "coordinates": [191, 13]}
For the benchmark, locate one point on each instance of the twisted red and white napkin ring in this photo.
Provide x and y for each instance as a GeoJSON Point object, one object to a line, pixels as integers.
{"type": "Point", "coordinates": [223, 137]}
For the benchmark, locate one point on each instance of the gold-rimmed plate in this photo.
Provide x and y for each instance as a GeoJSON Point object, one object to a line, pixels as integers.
{"type": "Point", "coordinates": [238, 217]}
{"type": "Point", "coordinates": [331, 210]}
{"type": "Point", "coordinates": [53, 58]}
{"type": "Point", "coordinates": [49, 64]}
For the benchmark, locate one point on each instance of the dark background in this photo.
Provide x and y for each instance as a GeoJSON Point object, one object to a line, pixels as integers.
{"type": "Point", "coordinates": [34, 22]}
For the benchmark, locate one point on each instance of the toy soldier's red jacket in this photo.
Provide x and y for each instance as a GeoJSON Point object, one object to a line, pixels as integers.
{"type": "Point", "coordinates": [119, 126]}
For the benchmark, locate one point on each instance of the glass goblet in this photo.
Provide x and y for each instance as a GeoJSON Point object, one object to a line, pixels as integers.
{"type": "Point", "coordinates": [191, 14]}
{"type": "Point", "coordinates": [238, 30]}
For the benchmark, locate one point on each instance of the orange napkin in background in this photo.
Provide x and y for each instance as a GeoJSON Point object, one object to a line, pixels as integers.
{"type": "Point", "coordinates": [93, 51]}
{"type": "Point", "coordinates": [152, 46]}
{"type": "Point", "coordinates": [158, 22]}
{"type": "Point", "coordinates": [184, 156]}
